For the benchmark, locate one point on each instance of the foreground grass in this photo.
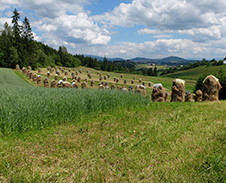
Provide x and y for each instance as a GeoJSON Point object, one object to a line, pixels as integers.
{"type": "Point", "coordinates": [163, 142]}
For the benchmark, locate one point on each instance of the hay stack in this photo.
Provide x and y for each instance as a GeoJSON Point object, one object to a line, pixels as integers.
{"type": "Point", "coordinates": [58, 73]}
{"type": "Point", "coordinates": [53, 83]}
{"type": "Point", "coordinates": [74, 84]}
{"type": "Point", "coordinates": [143, 83]}
{"type": "Point", "coordinates": [178, 91]}
{"type": "Point", "coordinates": [48, 68]}
{"type": "Point", "coordinates": [80, 71]}
{"type": "Point", "coordinates": [158, 93]}
{"type": "Point", "coordinates": [98, 72]}
{"type": "Point", "coordinates": [64, 68]}
{"type": "Point", "coordinates": [17, 67]}
{"type": "Point", "coordinates": [48, 74]}
{"type": "Point", "coordinates": [59, 84]}
{"type": "Point", "coordinates": [29, 68]}
{"type": "Point", "coordinates": [166, 97]}
{"type": "Point", "coordinates": [188, 97]}
{"type": "Point", "coordinates": [113, 86]}
{"type": "Point", "coordinates": [109, 75]}
{"type": "Point", "coordinates": [140, 89]}
{"type": "Point", "coordinates": [39, 70]}
{"type": "Point", "coordinates": [119, 87]}
{"type": "Point", "coordinates": [79, 80]}
{"type": "Point", "coordinates": [31, 75]}
{"type": "Point", "coordinates": [66, 84]}
{"type": "Point", "coordinates": [211, 88]}
{"type": "Point", "coordinates": [76, 73]}
{"type": "Point", "coordinates": [149, 84]}
{"type": "Point", "coordinates": [84, 84]}
{"type": "Point", "coordinates": [117, 80]}
{"type": "Point", "coordinates": [64, 78]}
{"type": "Point", "coordinates": [73, 69]}
{"type": "Point", "coordinates": [125, 82]}
{"type": "Point", "coordinates": [39, 80]}
{"type": "Point", "coordinates": [198, 96]}
{"type": "Point", "coordinates": [66, 73]}
{"type": "Point", "coordinates": [28, 73]}
{"type": "Point", "coordinates": [34, 78]}
{"type": "Point", "coordinates": [100, 78]}
{"type": "Point", "coordinates": [105, 77]}
{"type": "Point", "coordinates": [140, 80]}
{"type": "Point", "coordinates": [132, 81]}
{"type": "Point", "coordinates": [121, 75]}
{"type": "Point", "coordinates": [69, 70]}
{"type": "Point", "coordinates": [56, 77]}
{"type": "Point", "coordinates": [90, 76]}
{"type": "Point", "coordinates": [124, 89]}
{"type": "Point", "coordinates": [46, 83]}
{"type": "Point", "coordinates": [134, 77]}
{"type": "Point", "coordinates": [92, 83]}
{"type": "Point", "coordinates": [51, 70]}
{"type": "Point", "coordinates": [24, 70]}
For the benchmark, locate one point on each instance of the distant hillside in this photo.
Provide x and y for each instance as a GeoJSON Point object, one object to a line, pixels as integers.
{"type": "Point", "coordinates": [172, 60]}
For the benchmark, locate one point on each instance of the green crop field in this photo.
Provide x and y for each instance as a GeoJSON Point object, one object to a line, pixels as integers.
{"type": "Point", "coordinates": [69, 135]}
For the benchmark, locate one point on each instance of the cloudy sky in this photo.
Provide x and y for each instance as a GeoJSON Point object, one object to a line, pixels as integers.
{"type": "Point", "coordinates": [127, 28]}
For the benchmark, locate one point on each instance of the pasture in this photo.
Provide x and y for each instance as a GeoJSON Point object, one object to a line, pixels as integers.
{"type": "Point", "coordinates": [75, 135]}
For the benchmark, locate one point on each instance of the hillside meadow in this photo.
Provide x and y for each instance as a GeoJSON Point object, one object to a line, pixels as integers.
{"type": "Point", "coordinates": [69, 135]}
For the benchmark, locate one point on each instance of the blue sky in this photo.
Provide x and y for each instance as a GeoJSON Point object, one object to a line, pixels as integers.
{"type": "Point", "coordinates": [127, 28]}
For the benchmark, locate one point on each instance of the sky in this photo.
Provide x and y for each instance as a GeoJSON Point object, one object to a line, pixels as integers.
{"type": "Point", "coordinates": [126, 28]}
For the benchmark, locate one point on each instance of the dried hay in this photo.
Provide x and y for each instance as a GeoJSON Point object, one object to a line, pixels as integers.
{"type": "Point", "coordinates": [17, 67]}
{"type": "Point", "coordinates": [98, 72]}
{"type": "Point", "coordinates": [132, 82]}
{"type": "Point", "coordinates": [105, 77]}
{"type": "Point", "coordinates": [73, 69]}
{"type": "Point", "coordinates": [56, 77]}
{"type": "Point", "coordinates": [84, 84]}
{"type": "Point", "coordinates": [39, 80]}
{"type": "Point", "coordinates": [124, 89]}
{"type": "Point", "coordinates": [80, 71]}
{"type": "Point", "coordinates": [211, 88]}
{"type": "Point", "coordinates": [53, 83]}
{"type": "Point", "coordinates": [178, 91]}
{"type": "Point", "coordinates": [143, 83]}
{"type": "Point", "coordinates": [119, 87]}
{"type": "Point", "coordinates": [125, 82]}
{"type": "Point", "coordinates": [48, 74]}
{"type": "Point", "coordinates": [100, 78]}
{"type": "Point", "coordinates": [31, 75]}
{"type": "Point", "coordinates": [149, 84]}
{"type": "Point", "coordinates": [29, 68]}
{"type": "Point", "coordinates": [198, 96]}
{"type": "Point", "coordinates": [92, 83]}
{"type": "Point", "coordinates": [69, 70]}
{"type": "Point", "coordinates": [166, 97]}
{"type": "Point", "coordinates": [158, 93]}
{"type": "Point", "coordinates": [59, 84]}
{"type": "Point", "coordinates": [74, 84]}
{"type": "Point", "coordinates": [117, 80]}
{"type": "Point", "coordinates": [39, 70]}
{"type": "Point", "coordinates": [89, 76]}
{"type": "Point", "coordinates": [76, 73]}
{"type": "Point", "coordinates": [188, 97]}
{"type": "Point", "coordinates": [51, 70]}
{"type": "Point", "coordinates": [24, 70]}
{"type": "Point", "coordinates": [79, 80]}
{"type": "Point", "coordinates": [28, 73]}
{"type": "Point", "coordinates": [121, 75]}
{"type": "Point", "coordinates": [113, 86]}
{"type": "Point", "coordinates": [109, 75]}
{"type": "Point", "coordinates": [66, 73]}
{"type": "Point", "coordinates": [34, 78]}
{"type": "Point", "coordinates": [66, 84]}
{"type": "Point", "coordinates": [140, 80]}
{"type": "Point", "coordinates": [58, 73]}
{"type": "Point", "coordinates": [134, 77]}
{"type": "Point", "coordinates": [64, 78]}
{"type": "Point", "coordinates": [46, 82]}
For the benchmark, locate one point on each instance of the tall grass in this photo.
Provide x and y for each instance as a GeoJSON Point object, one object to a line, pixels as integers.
{"type": "Point", "coordinates": [24, 108]}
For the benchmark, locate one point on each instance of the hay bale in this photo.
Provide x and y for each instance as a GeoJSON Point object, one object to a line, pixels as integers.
{"type": "Point", "coordinates": [46, 83]}
{"type": "Point", "coordinates": [158, 93]}
{"type": "Point", "coordinates": [105, 77]}
{"type": "Point", "coordinates": [134, 77]}
{"type": "Point", "coordinates": [29, 68]}
{"type": "Point", "coordinates": [34, 78]}
{"type": "Point", "coordinates": [51, 70]}
{"type": "Point", "coordinates": [48, 68]}
{"type": "Point", "coordinates": [211, 88]}
{"type": "Point", "coordinates": [121, 75]}
{"type": "Point", "coordinates": [59, 84]}
{"type": "Point", "coordinates": [73, 69]}
{"type": "Point", "coordinates": [56, 77]}
{"type": "Point", "coordinates": [69, 70]}
{"type": "Point", "coordinates": [76, 73]}
{"type": "Point", "coordinates": [178, 91]}
{"type": "Point", "coordinates": [79, 80]}
{"type": "Point", "coordinates": [109, 75]}
{"type": "Point", "coordinates": [100, 78]}
{"type": "Point", "coordinates": [198, 96]}
{"type": "Point", "coordinates": [39, 80]}
{"type": "Point", "coordinates": [53, 84]}
{"type": "Point", "coordinates": [64, 78]}
{"type": "Point", "coordinates": [17, 67]}
{"type": "Point", "coordinates": [132, 82]}
{"type": "Point", "coordinates": [92, 83]}
{"type": "Point", "coordinates": [125, 82]}
{"type": "Point", "coordinates": [48, 74]}
{"type": "Point", "coordinates": [140, 89]}
{"type": "Point", "coordinates": [24, 70]}
{"type": "Point", "coordinates": [66, 84]}
{"type": "Point", "coordinates": [113, 86]}
{"type": "Point", "coordinates": [80, 71]}
{"type": "Point", "coordinates": [39, 70]}
{"type": "Point", "coordinates": [117, 80]}
{"type": "Point", "coordinates": [74, 84]}
{"type": "Point", "coordinates": [84, 84]}
{"type": "Point", "coordinates": [188, 97]}
{"type": "Point", "coordinates": [143, 83]}
{"type": "Point", "coordinates": [58, 72]}
{"type": "Point", "coordinates": [89, 76]}
{"type": "Point", "coordinates": [140, 80]}
{"type": "Point", "coordinates": [149, 84]}
{"type": "Point", "coordinates": [30, 75]}
{"type": "Point", "coordinates": [98, 72]}
{"type": "Point", "coordinates": [66, 73]}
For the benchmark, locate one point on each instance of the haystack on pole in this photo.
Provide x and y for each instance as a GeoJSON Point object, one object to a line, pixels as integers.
{"type": "Point", "coordinates": [188, 97]}
{"type": "Point", "coordinates": [51, 70]}
{"type": "Point", "coordinates": [56, 77]}
{"type": "Point", "coordinates": [84, 84]}
{"type": "Point", "coordinates": [100, 78]}
{"type": "Point", "coordinates": [24, 70]}
{"type": "Point", "coordinates": [113, 86]}
{"type": "Point", "coordinates": [98, 72]}
{"type": "Point", "coordinates": [28, 73]}
{"type": "Point", "coordinates": [117, 80]}
{"type": "Point", "coordinates": [39, 70]}
{"type": "Point", "coordinates": [53, 83]}
{"type": "Point", "coordinates": [211, 88]}
{"type": "Point", "coordinates": [124, 89]}
{"type": "Point", "coordinates": [198, 96]}
{"type": "Point", "coordinates": [132, 81]}
{"type": "Point", "coordinates": [74, 69]}
{"type": "Point", "coordinates": [119, 87]}
{"type": "Point", "coordinates": [46, 83]}
{"type": "Point", "coordinates": [140, 80]}
{"type": "Point", "coordinates": [48, 68]}
{"type": "Point", "coordinates": [39, 80]}
{"type": "Point", "coordinates": [158, 93]}
{"type": "Point", "coordinates": [90, 76]}
{"type": "Point", "coordinates": [107, 85]}
{"type": "Point", "coordinates": [58, 72]}
{"type": "Point", "coordinates": [125, 82]}
{"type": "Point", "coordinates": [66, 84]}
{"type": "Point", "coordinates": [178, 91]}
{"type": "Point", "coordinates": [31, 75]}
{"type": "Point", "coordinates": [134, 77]}
{"type": "Point", "coordinates": [140, 89]}
{"type": "Point", "coordinates": [74, 84]}
{"type": "Point", "coordinates": [86, 80]}
{"type": "Point", "coordinates": [66, 73]}
{"type": "Point", "coordinates": [109, 75]}
{"type": "Point", "coordinates": [79, 80]}
{"type": "Point", "coordinates": [64, 78]}
{"type": "Point", "coordinates": [121, 75]}
{"type": "Point", "coordinates": [48, 74]}
{"type": "Point", "coordinates": [17, 67]}
{"type": "Point", "coordinates": [59, 84]}
{"type": "Point", "coordinates": [29, 68]}
{"type": "Point", "coordinates": [80, 71]}
{"type": "Point", "coordinates": [143, 83]}
{"type": "Point", "coordinates": [92, 84]}
{"type": "Point", "coordinates": [105, 77]}
{"type": "Point", "coordinates": [72, 73]}
{"type": "Point", "coordinates": [69, 70]}
{"type": "Point", "coordinates": [34, 78]}
{"type": "Point", "coordinates": [149, 84]}
{"type": "Point", "coordinates": [64, 68]}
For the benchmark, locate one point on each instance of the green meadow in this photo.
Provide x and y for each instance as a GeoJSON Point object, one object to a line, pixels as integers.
{"type": "Point", "coordinates": [92, 135]}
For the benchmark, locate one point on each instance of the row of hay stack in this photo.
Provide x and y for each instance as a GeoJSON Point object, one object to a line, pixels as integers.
{"type": "Point", "coordinates": [210, 91]}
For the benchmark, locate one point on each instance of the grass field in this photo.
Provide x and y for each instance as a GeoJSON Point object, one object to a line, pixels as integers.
{"type": "Point", "coordinates": [64, 137]}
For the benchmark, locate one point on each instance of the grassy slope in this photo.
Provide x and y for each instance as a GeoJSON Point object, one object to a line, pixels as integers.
{"type": "Point", "coordinates": [163, 142]}
{"type": "Point", "coordinates": [195, 73]}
